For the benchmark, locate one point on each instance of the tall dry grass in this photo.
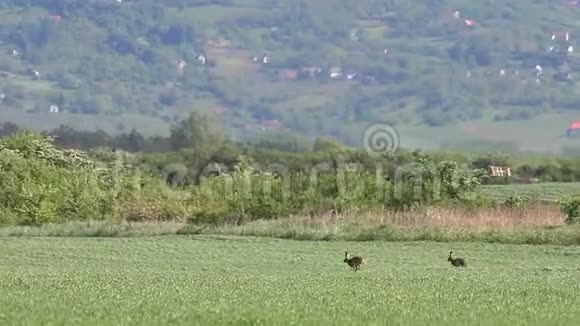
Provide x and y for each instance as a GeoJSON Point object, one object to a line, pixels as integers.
{"type": "Point", "coordinates": [481, 219]}
{"type": "Point", "coordinates": [537, 224]}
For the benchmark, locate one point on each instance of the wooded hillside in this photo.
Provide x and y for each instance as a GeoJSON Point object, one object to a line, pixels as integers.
{"type": "Point", "coordinates": [324, 67]}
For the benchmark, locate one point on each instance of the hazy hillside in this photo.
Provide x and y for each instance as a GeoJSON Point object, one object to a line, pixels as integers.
{"type": "Point", "coordinates": [465, 78]}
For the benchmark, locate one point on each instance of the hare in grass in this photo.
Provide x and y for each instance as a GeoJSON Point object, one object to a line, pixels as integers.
{"type": "Point", "coordinates": [353, 262]}
{"type": "Point", "coordinates": [457, 262]}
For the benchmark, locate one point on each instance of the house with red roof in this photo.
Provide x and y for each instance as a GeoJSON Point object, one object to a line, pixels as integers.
{"type": "Point", "coordinates": [573, 128]}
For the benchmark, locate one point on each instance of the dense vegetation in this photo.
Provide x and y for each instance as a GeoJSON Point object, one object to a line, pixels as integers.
{"type": "Point", "coordinates": [120, 62]}
{"type": "Point", "coordinates": [44, 184]}
{"type": "Point", "coordinates": [300, 152]}
{"type": "Point", "coordinates": [209, 281]}
{"type": "Point", "coordinates": [206, 180]}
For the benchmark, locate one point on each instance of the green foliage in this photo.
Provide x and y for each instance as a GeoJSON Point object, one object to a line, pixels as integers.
{"type": "Point", "coordinates": [244, 195]}
{"type": "Point", "coordinates": [546, 191]}
{"type": "Point", "coordinates": [134, 50]}
{"type": "Point", "coordinates": [516, 201]}
{"type": "Point", "coordinates": [286, 142]}
{"type": "Point", "coordinates": [198, 132]}
{"type": "Point", "coordinates": [296, 150]}
{"type": "Point", "coordinates": [44, 184]}
{"type": "Point", "coordinates": [327, 144]}
{"type": "Point", "coordinates": [33, 146]}
{"type": "Point", "coordinates": [571, 207]}
{"type": "Point", "coordinates": [200, 138]}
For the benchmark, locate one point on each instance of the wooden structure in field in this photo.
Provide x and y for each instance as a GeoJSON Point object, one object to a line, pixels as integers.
{"type": "Point", "coordinates": [500, 171]}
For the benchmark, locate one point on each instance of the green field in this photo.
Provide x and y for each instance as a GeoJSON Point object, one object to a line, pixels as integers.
{"type": "Point", "coordinates": [546, 191]}
{"type": "Point", "coordinates": [246, 281]}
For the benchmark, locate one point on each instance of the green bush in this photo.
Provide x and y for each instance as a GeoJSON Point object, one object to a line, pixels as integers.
{"type": "Point", "coordinates": [571, 207]}
{"type": "Point", "coordinates": [246, 196]}
{"type": "Point", "coordinates": [30, 145]}
{"type": "Point", "coordinates": [36, 191]}
{"type": "Point", "coordinates": [517, 201]}
{"type": "Point", "coordinates": [44, 184]}
{"type": "Point", "coordinates": [152, 203]}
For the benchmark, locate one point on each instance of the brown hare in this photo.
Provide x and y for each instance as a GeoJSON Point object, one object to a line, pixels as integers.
{"type": "Point", "coordinates": [457, 262]}
{"type": "Point", "coordinates": [353, 262]}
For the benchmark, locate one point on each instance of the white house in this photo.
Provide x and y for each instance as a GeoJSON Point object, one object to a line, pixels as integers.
{"type": "Point", "coordinates": [202, 59]}
{"type": "Point", "coordinates": [335, 72]}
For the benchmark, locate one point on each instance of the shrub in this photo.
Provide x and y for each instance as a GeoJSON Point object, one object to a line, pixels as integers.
{"type": "Point", "coordinates": [516, 201]}
{"type": "Point", "coordinates": [44, 184]}
{"type": "Point", "coordinates": [33, 146]}
{"type": "Point", "coordinates": [36, 190]}
{"type": "Point", "coordinates": [571, 207]}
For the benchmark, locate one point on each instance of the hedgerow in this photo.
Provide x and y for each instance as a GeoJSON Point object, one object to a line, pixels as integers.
{"type": "Point", "coordinates": [42, 183]}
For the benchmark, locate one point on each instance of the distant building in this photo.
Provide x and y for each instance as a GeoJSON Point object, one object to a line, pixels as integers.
{"type": "Point", "coordinates": [181, 67]}
{"type": "Point", "coordinates": [202, 59]}
{"type": "Point", "coordinates": [561, 36]}
{"type": "Point", "coordinates": [500, 171]}
{"type": "Point", "coordinates": [35, 74]}
{"type": "Point", "coordinates": [335, 72]}
{"type": "Point", "coordinates": [573, 129]}
{"type": "Point", "coordinates": [55, 18]}
{"type": "Point", "coordinates": [263, 59]}
{"type": "Point", "coordinates": [312, 71]}
{"type": "Point", "coordinates": [272, 125]}
{"type": "Point", "coordinates": [288, 74]}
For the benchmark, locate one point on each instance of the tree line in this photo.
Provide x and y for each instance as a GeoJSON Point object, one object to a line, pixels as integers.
{"type": "Point", "coordinates": [199, 140]}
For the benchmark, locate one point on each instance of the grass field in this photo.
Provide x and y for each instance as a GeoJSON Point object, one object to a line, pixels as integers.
{"type": "Point", "coordinates": [543, 134]}
{"type": "Point", "coordinates": [46, 121]}
{"type": "Point", "coordinates": [546, 191]}
{"type": "Point", "coordinates": [246, 281]}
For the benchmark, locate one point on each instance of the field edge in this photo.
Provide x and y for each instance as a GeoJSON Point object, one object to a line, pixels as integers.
{"type": "Point", "coordinates": [556, 235]}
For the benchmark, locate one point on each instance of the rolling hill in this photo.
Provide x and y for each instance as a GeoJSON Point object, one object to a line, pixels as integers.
{"type": "Point", "coordinates": [487, 74]}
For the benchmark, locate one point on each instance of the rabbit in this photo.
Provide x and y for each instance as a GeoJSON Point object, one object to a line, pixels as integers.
{"type": "Point", "coordinates": [353, 262]}
{"type": "Point", "coordinates": [457, 262]}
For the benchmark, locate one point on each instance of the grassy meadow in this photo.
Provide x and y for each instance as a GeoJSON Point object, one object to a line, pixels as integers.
{"type": "Point", "coordinates": [200, 280]}
{"type": "Point", "coordinates": [546, 190]}
{"type": "Point", "coordinates": [538, 224]}
{"type": "Point", "coordinates": [85, 244]}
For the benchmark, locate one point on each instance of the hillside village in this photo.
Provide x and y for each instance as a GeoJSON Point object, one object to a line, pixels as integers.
{"type": "Point", "coordinates": [288, 65]}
